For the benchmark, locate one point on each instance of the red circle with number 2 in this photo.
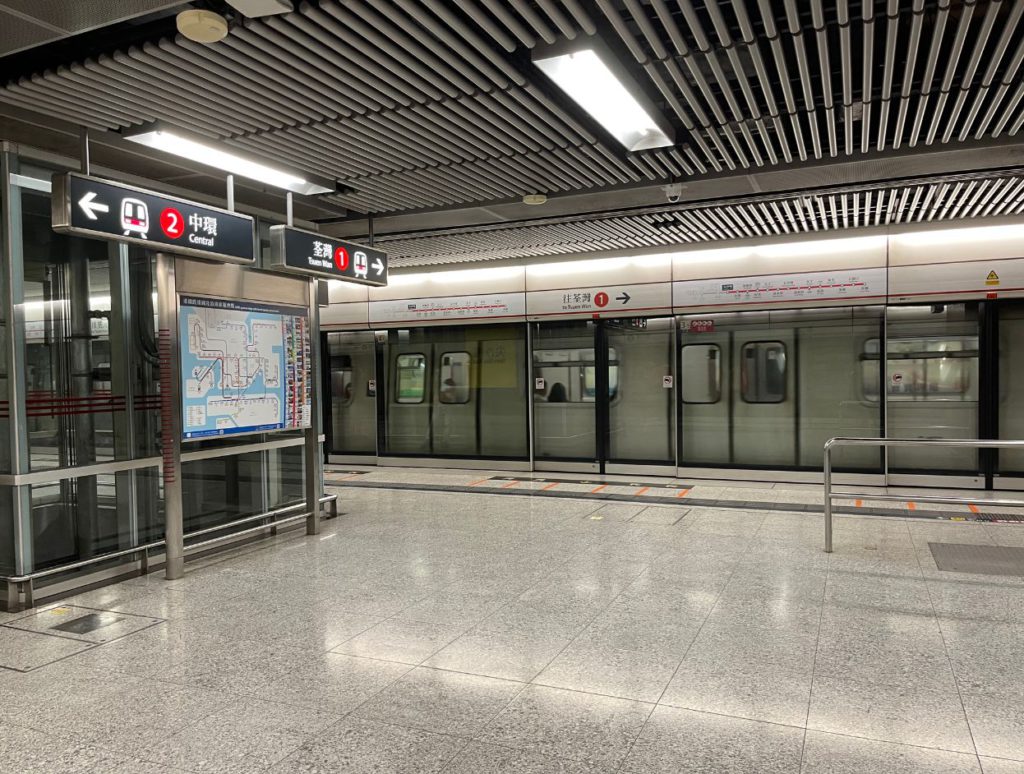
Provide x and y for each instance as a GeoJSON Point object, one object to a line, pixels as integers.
{"type": "Point", "coordinates": [172, 223]}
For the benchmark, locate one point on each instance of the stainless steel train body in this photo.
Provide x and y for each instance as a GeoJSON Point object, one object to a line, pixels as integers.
{"type": "Point", "coordinates": [741, 360]}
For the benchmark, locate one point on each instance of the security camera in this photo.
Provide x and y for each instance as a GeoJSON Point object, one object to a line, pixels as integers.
{"type": "Point", "coordinates": [673, 192]}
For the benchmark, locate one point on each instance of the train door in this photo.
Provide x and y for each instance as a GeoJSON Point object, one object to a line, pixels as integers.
{"type": "Point", "coordinates": [641, 395]}
{"type": "Point", "coordinates": [410, 395]}
{"type": "Point", "coordinates": [932, 389]}
{"type": "Point", "coordinates": [1007, 417]}
{"type": "Point", "coordinates": [566, 385]}
{"type": "Point", "coordinates": [603, 395]}
{"type": "Point", "coordinates": [350, 413]}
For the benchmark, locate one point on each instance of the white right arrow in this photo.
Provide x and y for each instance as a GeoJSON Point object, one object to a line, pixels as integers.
{"type": "Point", "coordinates": [378, 267]}
{"type": "Point", "coordinates": [90, 207]}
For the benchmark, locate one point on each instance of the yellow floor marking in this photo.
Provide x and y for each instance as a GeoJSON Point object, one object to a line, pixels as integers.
{"type": "Point", "coordinates": [597, 489]}
{"type": "Point", "coordinates": [549, 486]}
{"type": "Point", "coordinates": [640, 491]}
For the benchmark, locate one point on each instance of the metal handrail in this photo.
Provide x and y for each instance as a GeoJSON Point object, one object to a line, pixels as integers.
{"type": "Point", "coordinates": [331, 498]}
{"type": "Point", "coordinates": [963, 443]}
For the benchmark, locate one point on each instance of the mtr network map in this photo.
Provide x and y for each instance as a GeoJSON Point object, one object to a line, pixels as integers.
{"type": "Point", "coordinates": [245, 367]}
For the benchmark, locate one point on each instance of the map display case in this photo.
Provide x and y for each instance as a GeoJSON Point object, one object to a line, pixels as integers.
{"type": "Point", "coordinates": [245, 367]}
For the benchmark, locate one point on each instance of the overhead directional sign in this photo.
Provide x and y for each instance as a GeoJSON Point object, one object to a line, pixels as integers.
{"type": "Point", "coordinates": [104, 209]}
{"type": "Point", "coordinates": [306, 252]}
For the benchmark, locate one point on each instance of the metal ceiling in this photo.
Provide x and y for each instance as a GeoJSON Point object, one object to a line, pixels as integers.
{"type": "Point", "coordinates": [28, 23]}
{"type": "Point", "coordinates": [820, 211]}
{"type": "Point", "coordinates": [425, 103]}
{"type": "Point", "coordinates": [419, 105]}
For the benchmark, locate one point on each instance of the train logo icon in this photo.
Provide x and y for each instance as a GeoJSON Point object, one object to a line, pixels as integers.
{"type": "Point", "coordinates": [361, 263]}
{"type": "Point", "coordinates": [135, 218]}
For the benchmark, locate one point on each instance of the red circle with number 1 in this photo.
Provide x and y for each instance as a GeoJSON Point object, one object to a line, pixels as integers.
{"type": "Point", "coordinates": [171, 223]}
{"type": "Point", "coordinates": [341, 258]}
{"type": "Point", "coordinates": [601, 299]}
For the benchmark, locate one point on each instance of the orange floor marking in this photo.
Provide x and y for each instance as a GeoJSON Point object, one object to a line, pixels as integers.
{"type": "Point", "coordinates": [549, 486]}
{"type": "Point", "coordinates": [353, 475]}
{"type": "Point", "coordinates": [481, 481]}
{"type": "Point", "coordinates": [974, 508]}
{"type": "Point", "coordinates": [510, 484]}
{"type": "Point", "coordinates": [640, 491]}
{"type": "Point", "coordinates": [683, 493]}
{"type": "Point", "coordinates": [858, 503]}
{"type": "Point", "coordinates": [597, 489]}
{"type": "Point", "coordinates": [911, 506]}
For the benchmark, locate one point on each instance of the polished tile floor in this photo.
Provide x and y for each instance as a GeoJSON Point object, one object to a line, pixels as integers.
{"type": "Point", "coordinates": [430, 632]}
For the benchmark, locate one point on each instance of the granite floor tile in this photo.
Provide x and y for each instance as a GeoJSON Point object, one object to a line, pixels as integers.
{"type": "Point", "coordinates": [835, 754]}
{"type": "Point", "coordinates": [1001, 766]}
{"type": "Point", "coordinates": [627, 674]}
{"type": "Point", "coordinates": [906, 714]}
{"type": "Point", "coordinates": [333, 682]}
{"type": "Point", "coordinates": [597, 730]}
{"type": "Point", "coordinates": [23, 650]}
{"type": "Point", "coordinates": [410, 642]}
{"type": "Point", "coordinates": [359, 746]}
{"type": "Point", "coordinates": [248, 736]}
{"type": "Point", "coordinates": [679, 741]}
{"type": "Point", "coordinates": [505, 655]}
{"type": "Point", "coordinates": [755, 691]}
{"type": "Point", "coordinates": [735, 645]}
{"type": "Point", "coordinates": [478, 758]}
{"type": "Point", "coordinates": [997, 725]}
{"type": "Point", "coordinates": [441, 701]}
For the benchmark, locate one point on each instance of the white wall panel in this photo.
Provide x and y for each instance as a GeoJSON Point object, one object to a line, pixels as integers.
{"type": "Point", "coordinates": [980, 243]}
{"type": "Point", "coordinates": [570, 275]}
{"type": "Point", "coordinates": [861, 252]}
{"type": "Point", "coordinates": [961, 281]}
{"type": "Point", "coordinates": [828, 288]}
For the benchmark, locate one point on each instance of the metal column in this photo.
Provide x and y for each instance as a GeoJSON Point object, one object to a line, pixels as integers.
{"type": "Point", "coordinates": [313, 457]}
{"type": "Point", "coordinates": [170, 415]}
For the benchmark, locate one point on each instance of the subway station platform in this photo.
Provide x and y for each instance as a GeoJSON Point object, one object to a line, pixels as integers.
{"type": "Point", "coordinates": [459, 630]}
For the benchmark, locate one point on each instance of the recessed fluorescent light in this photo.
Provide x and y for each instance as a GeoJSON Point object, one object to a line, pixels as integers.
{"type": "Point", "coordinates": [588, 75]}
{"type": "Point", "coordinates": [180, 144]}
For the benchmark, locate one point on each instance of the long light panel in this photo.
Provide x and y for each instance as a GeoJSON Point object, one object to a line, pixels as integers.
{"type": "Point", "coordinates": [589, 80]}
{"type": "Point", "coordinates": [178, 144]}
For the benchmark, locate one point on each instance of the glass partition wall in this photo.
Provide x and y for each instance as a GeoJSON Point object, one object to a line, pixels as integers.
{"type": "Point", "coordinates": [80, 429]}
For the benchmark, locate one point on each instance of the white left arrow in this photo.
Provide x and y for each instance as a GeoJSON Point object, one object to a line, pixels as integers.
{"type": "Point", "coordinates": [378, 267]}
{"type": "Point", "coordinates": [91, 207]}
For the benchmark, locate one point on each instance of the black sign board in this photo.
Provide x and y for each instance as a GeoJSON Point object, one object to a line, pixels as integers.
{"type": "Point", "coordinates": [91, 207]}
{"type": "Point", "coordinates": [306, 252]}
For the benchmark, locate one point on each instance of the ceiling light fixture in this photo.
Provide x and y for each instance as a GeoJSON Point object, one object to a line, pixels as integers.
{"type": "Point", "coordinates": [535, 199]}
{"type": "Point", "coordinates": [592, 76]}
{"type": "Point", "coordinates": [179, 143]}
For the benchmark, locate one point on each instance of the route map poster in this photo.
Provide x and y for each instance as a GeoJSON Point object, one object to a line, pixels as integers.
{"type": "Point", "coordinates": [245, 367]}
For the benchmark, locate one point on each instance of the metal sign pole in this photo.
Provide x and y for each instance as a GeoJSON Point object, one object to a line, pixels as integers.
{"type": "Point", "coordinates": [170, 416]}
{"type": "Point", "coordinates": [312, 447]}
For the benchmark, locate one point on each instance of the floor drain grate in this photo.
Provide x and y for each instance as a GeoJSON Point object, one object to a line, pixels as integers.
{"type": "Point", "coordinates": [980, 560]}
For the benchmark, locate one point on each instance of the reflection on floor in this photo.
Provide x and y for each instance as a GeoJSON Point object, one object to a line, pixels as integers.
{"type": "Point", "coordinates": [429, 631]}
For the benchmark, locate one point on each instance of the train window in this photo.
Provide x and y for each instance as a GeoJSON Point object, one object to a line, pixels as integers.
{"type": "Point", "coordinates": [410, 384]}
{"type": "Point", "coordinates": [701, 373]}
{"type": "Point", "coordinates": [454, 387]}
{"type": "Point", "coordinates": [934, 368]}
{"type": "Point", "coordinates": [763, 372]}
{"type": "Point", "coordinates": [341, 386]}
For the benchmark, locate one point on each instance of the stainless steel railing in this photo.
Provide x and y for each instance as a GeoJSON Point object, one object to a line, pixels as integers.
{"type": "Point", "coordinates": [971, 443]}
{"type": "Point", "coordinates": [25, 583]}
